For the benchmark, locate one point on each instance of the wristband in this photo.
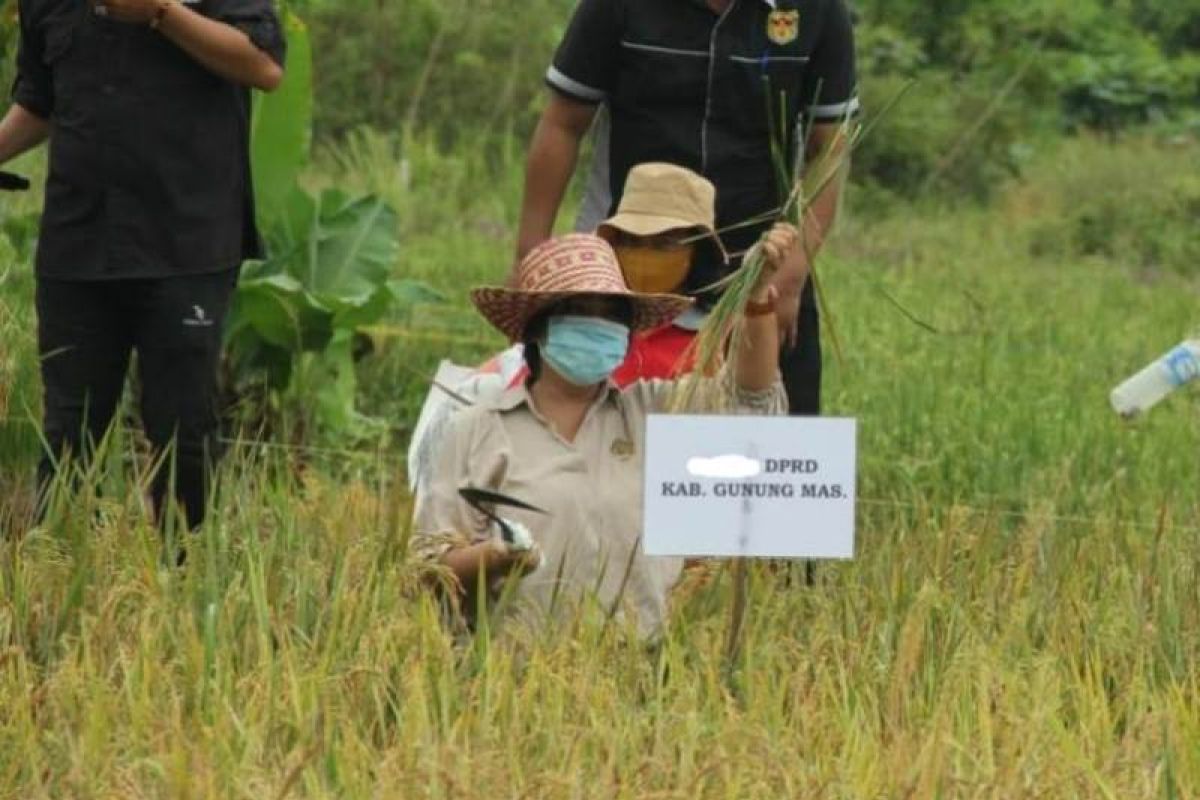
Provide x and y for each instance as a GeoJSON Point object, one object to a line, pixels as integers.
{"type": "Point", "coordinates": [767, 306]}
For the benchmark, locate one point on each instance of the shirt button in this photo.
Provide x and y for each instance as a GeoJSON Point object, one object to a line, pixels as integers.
{"type": "Point", "coordinates": [108, 88]}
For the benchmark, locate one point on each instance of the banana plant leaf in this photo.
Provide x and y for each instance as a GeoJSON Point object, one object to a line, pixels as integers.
{"type": "Point", "coordinates": [281, 126]}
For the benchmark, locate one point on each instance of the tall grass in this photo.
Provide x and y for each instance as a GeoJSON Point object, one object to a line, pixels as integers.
{"type": "Point", "coordinates": [1022, 620]}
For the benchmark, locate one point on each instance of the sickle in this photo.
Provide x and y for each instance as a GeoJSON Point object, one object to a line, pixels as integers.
{"type": "Point", "coordinates": [476, 498]}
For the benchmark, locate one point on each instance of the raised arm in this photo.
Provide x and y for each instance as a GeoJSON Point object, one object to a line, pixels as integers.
{"type": "Point", "coordinates": [219, 46]}
{"type": "Point", "coordinates": [758, 354]}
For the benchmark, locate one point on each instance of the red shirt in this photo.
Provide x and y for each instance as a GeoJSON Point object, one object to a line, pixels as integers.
{"type": "Point", "coordinates": [660, 353]}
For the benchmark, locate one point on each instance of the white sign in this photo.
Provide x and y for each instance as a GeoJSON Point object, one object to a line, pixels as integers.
{"type": "Point", "coordinates": [770, 487]}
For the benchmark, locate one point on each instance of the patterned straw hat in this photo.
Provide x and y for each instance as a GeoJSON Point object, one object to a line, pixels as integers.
{"type": "Point", "coordinates": [569, 266]}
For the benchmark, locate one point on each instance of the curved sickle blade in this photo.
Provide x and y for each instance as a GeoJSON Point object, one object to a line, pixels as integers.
{"type": "Point", "coordinates": [478, 499]}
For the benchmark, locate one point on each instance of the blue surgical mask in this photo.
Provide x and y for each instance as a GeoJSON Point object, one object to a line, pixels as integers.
{"type": "Point", "coordinates": [585, 350]}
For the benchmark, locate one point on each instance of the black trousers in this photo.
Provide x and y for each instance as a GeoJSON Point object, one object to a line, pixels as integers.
{"type": "Point", "coordinates": [87, 331]}
{"type": "Point", "coordinates": [800, 366]}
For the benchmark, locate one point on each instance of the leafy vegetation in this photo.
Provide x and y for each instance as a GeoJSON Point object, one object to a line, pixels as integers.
{"type": "Point", "coordinates": [295, 315]}
{"type": "Point", "coordinates": [329, 272]}
{"type": "Point", "coordinates": [1021, 619]}
{"type": "Point", "coordinates": [993, 80]}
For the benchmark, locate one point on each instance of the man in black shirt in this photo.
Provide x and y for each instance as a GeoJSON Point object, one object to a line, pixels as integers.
{"type": "Point", "coordinates": [148, 212]}
{"type": "Point", "coordinates": [710, 85]}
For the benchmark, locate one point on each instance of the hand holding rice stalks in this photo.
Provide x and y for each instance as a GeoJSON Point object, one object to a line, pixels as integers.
{"type": "Point", "coordinates": [717, 343]}
{"type": "Point", "coordinates": [719, 340]}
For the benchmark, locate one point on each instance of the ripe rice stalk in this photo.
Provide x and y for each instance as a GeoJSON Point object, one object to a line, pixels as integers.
{"type": "Point", "coordinates": [737, 623]}
{"type": "Point", "coordinates": [717, 342]}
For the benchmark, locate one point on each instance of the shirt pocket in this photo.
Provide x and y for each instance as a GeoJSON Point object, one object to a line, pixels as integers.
{"type": "Point", "coordinates": [660, 77]}
{"type": "Point", "coordinates": [765, 91]}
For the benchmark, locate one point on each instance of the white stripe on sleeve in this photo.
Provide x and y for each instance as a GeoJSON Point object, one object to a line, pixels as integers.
{"type": "Point", "coordinates": [572, 86]}
{"type": "Point", "coordinates": [835, 110]}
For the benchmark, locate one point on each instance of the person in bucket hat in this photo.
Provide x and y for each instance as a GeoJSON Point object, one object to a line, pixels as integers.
{"type": "Point", "coordinates": [665, 211]}
{"type": "Point", "coordinates": [569, 443]}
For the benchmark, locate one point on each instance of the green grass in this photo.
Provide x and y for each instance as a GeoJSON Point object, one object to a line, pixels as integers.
{"type": "Point", "coordinates": [1023, 619]}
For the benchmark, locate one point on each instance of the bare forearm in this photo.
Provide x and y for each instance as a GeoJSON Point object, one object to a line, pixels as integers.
{"type": "Point", "coordinates": [822, 213]}
{"type": "Point", "coordinates": [553, 153]}
{"type": "Point", "coordinates": [220, 48]}
{"type": "Point", "coordinates": [762, 334]}
{"type": "Point", "coordinates": [758, 354]}
{"type": "Point", "coordinates": [552, 158]}
{"type": "Point", "coordinates": [829, 161]}
{"type": "Point", "coordinates": [20, 131]}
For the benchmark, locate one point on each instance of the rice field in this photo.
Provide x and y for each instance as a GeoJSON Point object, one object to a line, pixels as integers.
{"type": "Point", "coordinates": [1022, 619]}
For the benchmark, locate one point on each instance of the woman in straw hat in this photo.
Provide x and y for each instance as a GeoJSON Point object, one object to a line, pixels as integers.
{"type": "Point", "coordinates": [570, 443]}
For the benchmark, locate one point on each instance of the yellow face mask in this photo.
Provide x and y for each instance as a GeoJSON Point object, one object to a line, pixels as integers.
{"type": "Point", "coordinates": [654, 270]}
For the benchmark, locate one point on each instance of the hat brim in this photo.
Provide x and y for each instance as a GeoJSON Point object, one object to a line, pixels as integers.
{"type": "Point", "coordinates": [648, 224]}
{"type": "Point", "coordinates": [509, 310]}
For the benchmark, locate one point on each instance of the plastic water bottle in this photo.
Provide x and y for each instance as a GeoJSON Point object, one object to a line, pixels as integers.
{"type": "Point", "coordinates": [1141, 392]}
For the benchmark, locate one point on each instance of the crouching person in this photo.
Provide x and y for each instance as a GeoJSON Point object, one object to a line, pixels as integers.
{"type": "Point", "coordinates": [571, 443]}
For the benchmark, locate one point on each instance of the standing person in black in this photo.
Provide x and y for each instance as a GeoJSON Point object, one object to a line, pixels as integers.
{"type": "Point", "coordinates": [149, 211]}
{"type": "Point", "coordinates": [689, 82]}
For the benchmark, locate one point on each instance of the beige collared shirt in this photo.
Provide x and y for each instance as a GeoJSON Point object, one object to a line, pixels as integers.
{"type": "Point", "coordinates": [591, 489]}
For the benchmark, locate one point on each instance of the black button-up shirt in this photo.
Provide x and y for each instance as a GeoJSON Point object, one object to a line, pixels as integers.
{"type": "Point", "coordinates": [685, 85]}
{"type": "Point", "coordinates": [149, 172]}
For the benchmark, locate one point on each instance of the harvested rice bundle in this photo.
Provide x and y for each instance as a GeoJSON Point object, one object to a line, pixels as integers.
{"type": "Point", "coordinates": [715, 349]}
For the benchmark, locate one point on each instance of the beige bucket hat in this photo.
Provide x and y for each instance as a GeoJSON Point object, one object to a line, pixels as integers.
{"type": "Point", "coordinates": [661, 197]}
{"type": "Point", "coordinates": [568, 266]}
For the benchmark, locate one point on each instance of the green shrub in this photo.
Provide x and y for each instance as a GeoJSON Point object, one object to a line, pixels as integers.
{"type": "Point", "coordinates": [1127, 202]}
{"type": "Point", "coordinates": [1089, 63]}
{"type": "Point", "coordinates": [463, 71]}
{"type": "Point", "coordinates": [1128, 87]}
{"type": "Point", "coordinates": [295, 320]}
{"type": "Point", "coordinates": [948, 136]}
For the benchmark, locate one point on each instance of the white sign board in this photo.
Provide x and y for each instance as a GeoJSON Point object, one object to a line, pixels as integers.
{"type": "Point", "coordinates": [770, 487]}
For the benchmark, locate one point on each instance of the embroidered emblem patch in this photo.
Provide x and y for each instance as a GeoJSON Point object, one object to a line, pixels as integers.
{"type": "Point", "coordinates": [622, 448]}
{"type": "Point", "coordinates": [783, 26]}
